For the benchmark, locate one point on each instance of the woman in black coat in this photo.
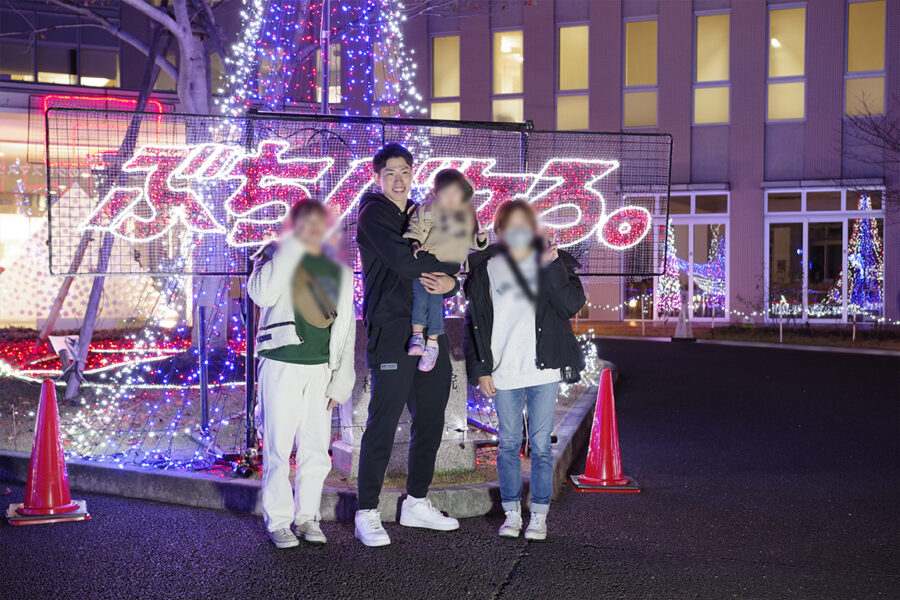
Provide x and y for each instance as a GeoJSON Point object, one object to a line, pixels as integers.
{"type": "Point", "coordinates": [521, 293]}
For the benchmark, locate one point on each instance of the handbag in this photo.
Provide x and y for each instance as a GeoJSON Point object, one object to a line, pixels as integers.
{"type": "Point", "coordinates": [311, 299]}
{"type": "Point", "coordinates": [567, 374]}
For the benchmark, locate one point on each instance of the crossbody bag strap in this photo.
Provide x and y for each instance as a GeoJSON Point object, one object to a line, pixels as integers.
{"type": "Point", "coordinates": [520, 279]}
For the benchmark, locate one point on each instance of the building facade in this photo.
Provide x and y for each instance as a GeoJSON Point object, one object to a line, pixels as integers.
{"type": "Point", "coordinates": [778, 206]}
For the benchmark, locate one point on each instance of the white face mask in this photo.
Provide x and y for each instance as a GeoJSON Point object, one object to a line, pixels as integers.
{"type": "Point", "coordinates": [518, 238]}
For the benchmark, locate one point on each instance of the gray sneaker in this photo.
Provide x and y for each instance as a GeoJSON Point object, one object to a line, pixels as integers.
{"type": "Point", "coordinates": [311, 532]}
{"type": "Point", "coordinates": [283, 538]}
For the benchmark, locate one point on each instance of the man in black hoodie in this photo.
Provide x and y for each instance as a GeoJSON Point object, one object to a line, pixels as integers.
{"type": "Point", "coordinates": [389, 268]}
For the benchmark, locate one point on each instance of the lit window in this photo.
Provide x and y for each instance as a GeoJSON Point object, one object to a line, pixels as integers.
{"type": "Point", "coordinates": [640, 109]}
{"type": "Point", "coordinates": [335, 94]}
{"type": "Point", "coordinates": [787, 64]}
{"type": "Point", "coordinates": [864, 80]}
{"type": "Point", "coordinates": [57, 65]}
{"type": "Point", "coordinates": [865, 36]}
{"type": "Point", "coordinates": [865, 96]}
{"type": "Point", "coordinates": [573, 58]}
{"type": "Point", "coordinates": [572, 112]}
{"type": "Point", "coordinates": [509, 110]}
{"type": "Point", "coordinates": [640, 97]}
{"type": "Point", "coordinates": [572, 105]}
{"type": "Point", "coordinates": [787, 42]}
{"type": "Point", "coordinates": [640, 53]}
{"type": "Point", "coordinates": [711, 91]}
{"type": "Point", "coordinates": [100, 68]}
{"type": "Point", "coordinates": [508, 62]}
{"type": "Point", "coordinates": [445, 111]}
{"type": "Point", "coordinates": [17, 61]}
{"type": "Point", "coordinates": [445, 67]}
{"type": "Point", "coordinates": [786, 100]}
{"type": "Point", "coordinates": [711, 204]}
{"type": "Point", "coordinates": [711, 105]}
{"type": "Point", "coordinates": [713, 47]}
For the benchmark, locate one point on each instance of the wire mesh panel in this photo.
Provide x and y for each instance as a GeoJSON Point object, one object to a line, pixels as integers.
{"type": "Point", "coordinates": [603, 193]}
{"type": "Point", "coordinates": [168, 194]}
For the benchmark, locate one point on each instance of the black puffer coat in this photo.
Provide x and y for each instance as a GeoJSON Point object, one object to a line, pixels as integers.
{"type": "Point", "coordinates": [560, 295]}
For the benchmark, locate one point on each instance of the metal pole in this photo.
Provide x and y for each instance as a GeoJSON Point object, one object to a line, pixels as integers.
{"type": "Point", "coordinates": [781, 320]}
{"type": "Point", "coordinates": [643, 316]}
{"type": "Point", "coordinates": [204, 369]}
{"type": "Point", "coordinates": [326, 54]}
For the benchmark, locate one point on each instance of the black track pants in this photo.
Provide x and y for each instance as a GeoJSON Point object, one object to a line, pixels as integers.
{"type": "Point", "coordinates": [397, 382]}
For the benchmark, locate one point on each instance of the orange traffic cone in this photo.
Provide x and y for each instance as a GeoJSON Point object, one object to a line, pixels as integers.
{"type": "Point", "coordinates": [47, 498]}
{"type": "Point", "coordinates": [603, 469]}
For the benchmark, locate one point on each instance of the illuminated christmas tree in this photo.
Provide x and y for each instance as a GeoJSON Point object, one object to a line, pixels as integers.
{"type": "Point", "coordinates": [669, 282]}
{"type": "Point", "coordinates": [865, 266]}
{"type": "Point", "coordinates": [710, 276]}
{"type": "Point", "coordinates": [865, 263]}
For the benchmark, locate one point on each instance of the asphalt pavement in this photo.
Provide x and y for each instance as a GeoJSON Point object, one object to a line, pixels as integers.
{"type": "Point", "coordinates": [766, 474]}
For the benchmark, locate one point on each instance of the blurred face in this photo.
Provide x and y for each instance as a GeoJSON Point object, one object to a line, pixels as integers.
{"type": "Point", "coordinates": [450, 197]}
{"type": "Point", "coordinates": [311, 229]}
{"type": "Point", "coordinates": [395, 180]}
{"type": "Point", "coordinates": [518, 232]}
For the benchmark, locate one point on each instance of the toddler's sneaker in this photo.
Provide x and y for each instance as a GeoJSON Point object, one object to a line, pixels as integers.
{"type": "Point", "coordinates": [429, 358]}
{"type": "Point", "coordinates": [416, 345]}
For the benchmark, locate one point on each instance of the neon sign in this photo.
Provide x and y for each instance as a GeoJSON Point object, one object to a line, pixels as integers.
{"type": "Point", "coordinates": [182, 182]}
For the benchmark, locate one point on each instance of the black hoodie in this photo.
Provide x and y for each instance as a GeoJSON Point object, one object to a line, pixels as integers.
{"type": "Point", "coordinates": [388, 263]}
{"type": "Point", "coordinates": [560, 295]}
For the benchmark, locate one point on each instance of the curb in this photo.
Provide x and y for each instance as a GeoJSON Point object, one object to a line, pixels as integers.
{"type": "Point", "coordinates": [204, 490]}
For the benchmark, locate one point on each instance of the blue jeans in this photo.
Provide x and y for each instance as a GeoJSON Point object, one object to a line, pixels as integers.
{"type": "Point", "coordinates": [541, 402]}
{"type": "Point", "coordinates": [427, 310]}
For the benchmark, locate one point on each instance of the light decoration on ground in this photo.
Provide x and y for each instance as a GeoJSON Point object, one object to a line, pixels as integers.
{"type": "Point", "coordinates": [264, 184]}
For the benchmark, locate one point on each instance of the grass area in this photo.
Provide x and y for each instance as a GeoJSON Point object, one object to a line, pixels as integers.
{"type": "Point", "coordinates": [880, 338]}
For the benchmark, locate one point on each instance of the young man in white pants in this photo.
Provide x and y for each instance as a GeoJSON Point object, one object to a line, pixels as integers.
{"type": "Point", "coordinates": [305, 341]}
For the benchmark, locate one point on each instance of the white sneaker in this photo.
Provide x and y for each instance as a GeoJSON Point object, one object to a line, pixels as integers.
{"type": "Point", "coordinates": [369, 529]}
{"type": "Point", "coordinates": [419, 512]}
{"type": "Point", "coordinates": [512, 526]}
{"type": "Point", "coordinates": [310, 531]}
{"type": "Point", "coordinates": [283, 538]}
{"type": "Point", "coordinates": [537, 527]}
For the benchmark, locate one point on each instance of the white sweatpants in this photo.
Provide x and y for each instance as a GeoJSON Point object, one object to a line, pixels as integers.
{"type": "Point", "coordinates": [293, 409]}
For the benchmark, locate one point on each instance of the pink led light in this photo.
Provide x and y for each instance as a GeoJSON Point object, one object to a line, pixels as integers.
{"type": "Point", "coordinates": [265, 182]}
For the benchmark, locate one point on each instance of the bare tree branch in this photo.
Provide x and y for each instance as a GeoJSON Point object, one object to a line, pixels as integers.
{"type": "Point", "coordinates": [52, 28]}
{"type": "Point", "coordinates": [157, 15]}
